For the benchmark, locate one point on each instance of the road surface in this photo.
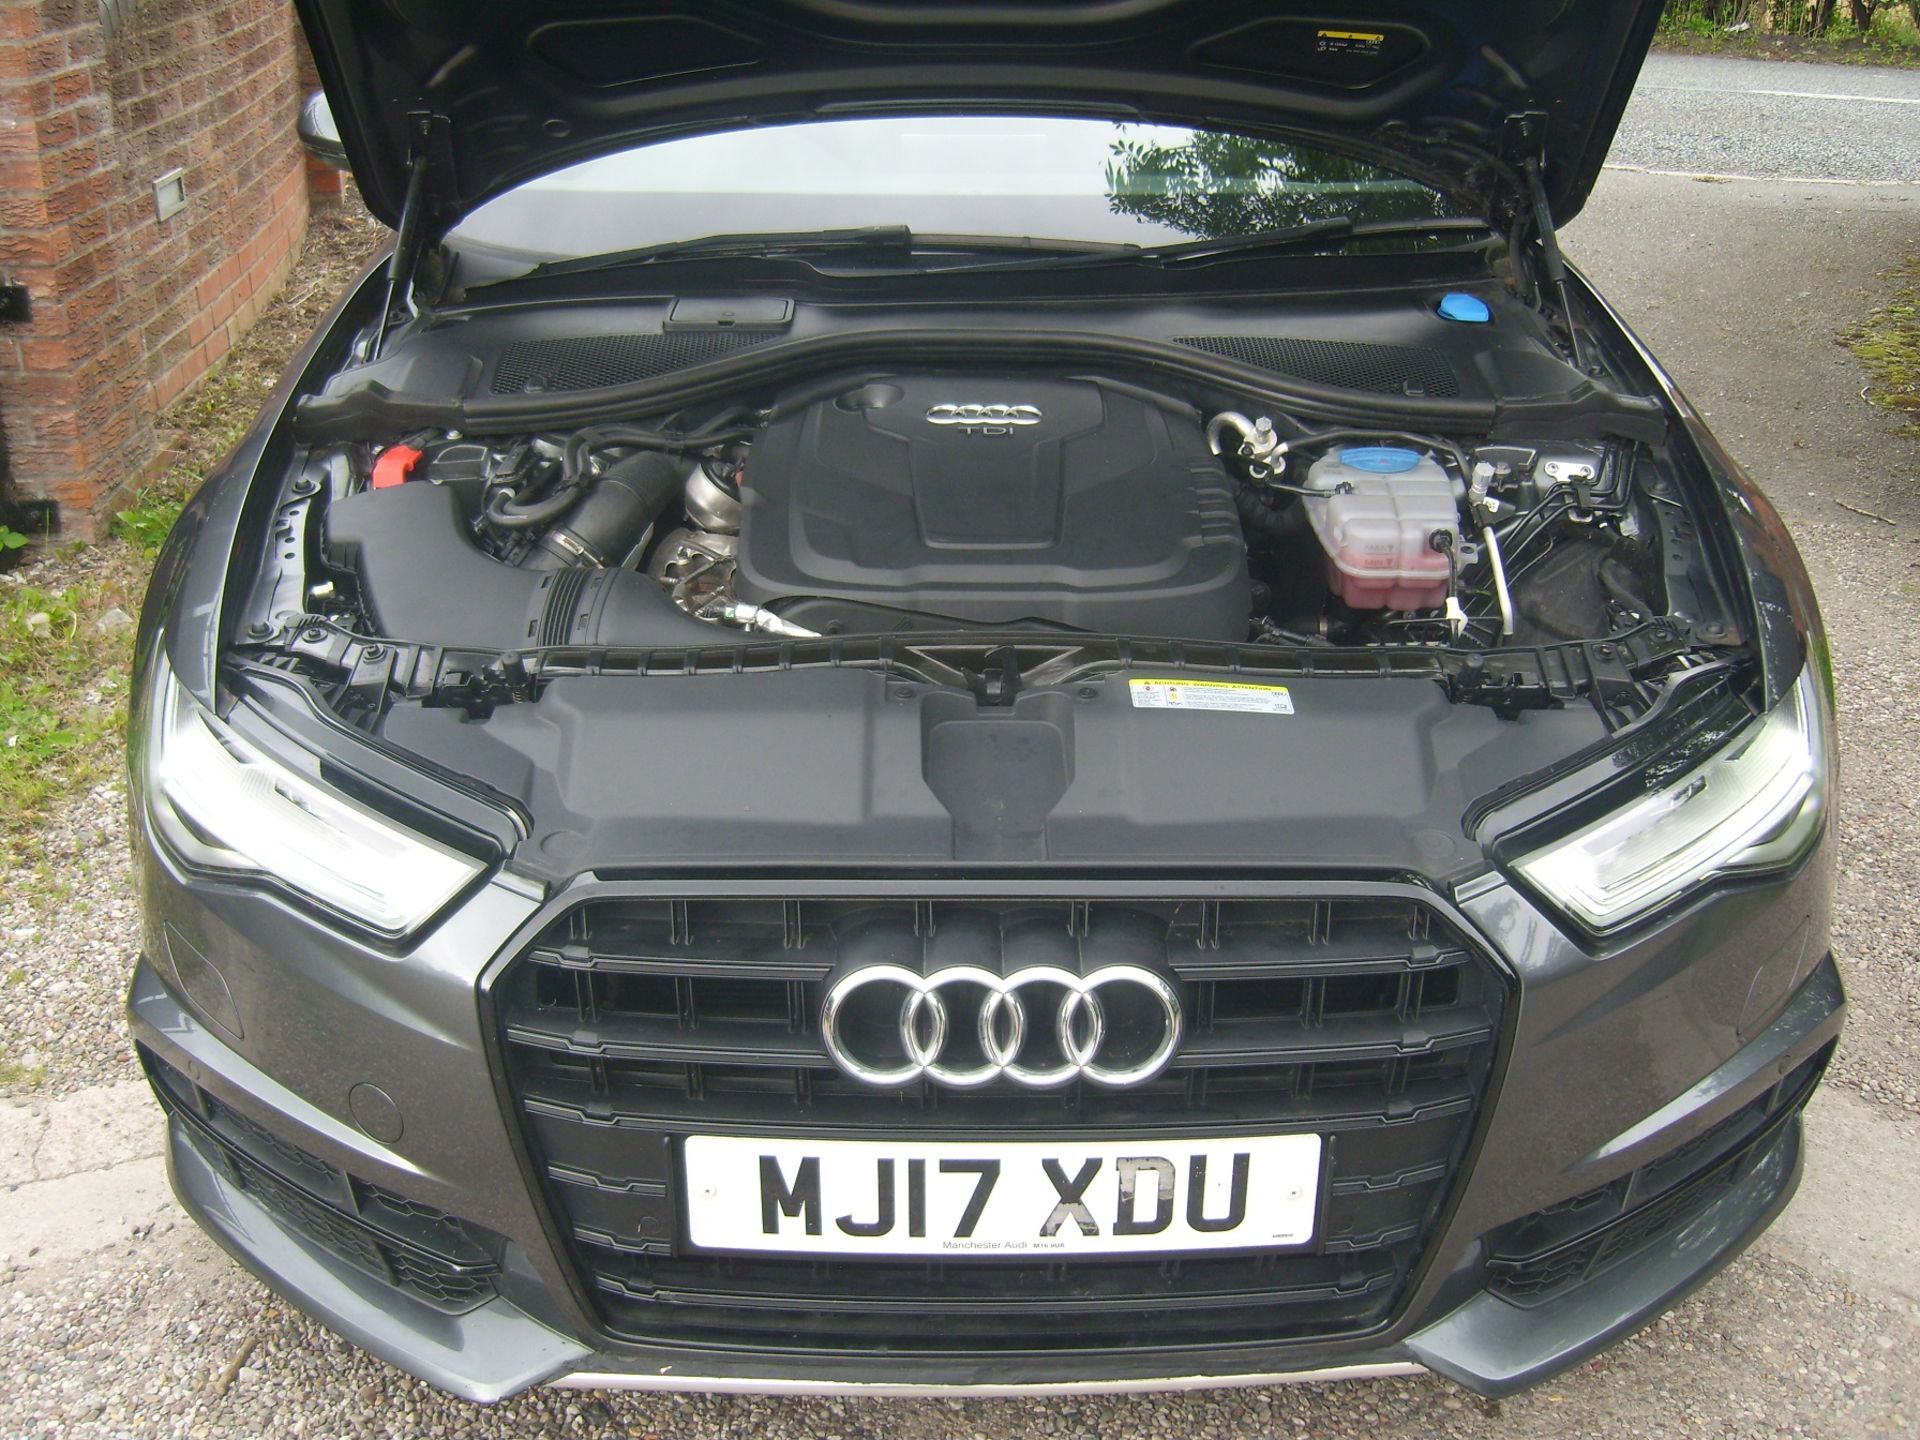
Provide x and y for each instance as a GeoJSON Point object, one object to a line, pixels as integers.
{"type": "Point", "coordinates": [1772, 120]}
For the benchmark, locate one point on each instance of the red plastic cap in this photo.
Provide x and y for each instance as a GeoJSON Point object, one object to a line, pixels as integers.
{"type": "Point", "coordinates": [394, 466]}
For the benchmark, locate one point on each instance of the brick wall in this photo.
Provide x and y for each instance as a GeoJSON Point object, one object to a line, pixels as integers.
{"type": "Point", "coordinates": [99, 98]}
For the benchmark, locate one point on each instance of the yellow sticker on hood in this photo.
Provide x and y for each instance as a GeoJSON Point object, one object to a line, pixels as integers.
{"type": "Point", "coordinates": [1247, 698]}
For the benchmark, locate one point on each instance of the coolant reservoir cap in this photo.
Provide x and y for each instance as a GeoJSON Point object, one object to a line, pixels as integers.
{"type": "Point", "coordinates": [1380, 459]}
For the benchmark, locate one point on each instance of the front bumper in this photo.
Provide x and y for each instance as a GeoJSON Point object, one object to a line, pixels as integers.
{"type": "Point", "coordinates": [1610, 1065]}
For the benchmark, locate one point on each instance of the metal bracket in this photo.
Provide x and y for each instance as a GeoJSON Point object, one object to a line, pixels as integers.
{"type": "Point", "coordinates": [1611, 673]}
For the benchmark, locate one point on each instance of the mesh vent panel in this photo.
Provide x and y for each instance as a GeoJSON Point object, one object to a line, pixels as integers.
{"type": "Point", "coordinates": [1388, 369]}
{"type": "Point", "coordinates": [597, 361]}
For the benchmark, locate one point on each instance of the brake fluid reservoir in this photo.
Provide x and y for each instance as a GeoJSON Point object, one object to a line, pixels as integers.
{"type": "Point", "coordinates": [1382, 509]}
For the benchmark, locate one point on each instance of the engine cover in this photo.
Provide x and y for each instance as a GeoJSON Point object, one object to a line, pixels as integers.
{"type": "Point", "coordinates": [997, 500]}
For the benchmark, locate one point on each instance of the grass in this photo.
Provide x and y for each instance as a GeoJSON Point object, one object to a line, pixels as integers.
{"type": "Point", "coordinates": [1888, 344]}
{"type": "Point", "coordinates": [14, 1075]}
{"type": "Point", "coordinates": [211, 421]}
{"type": "Point", "coordinates": [146, 523]}
{"type": "Point", "coordinates": [63, 658]}
{"type": "Point", "coordinates": [64, 653]}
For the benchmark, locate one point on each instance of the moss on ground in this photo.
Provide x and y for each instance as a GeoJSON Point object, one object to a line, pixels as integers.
{"type": "Point", "coordinates": [1888, 344]}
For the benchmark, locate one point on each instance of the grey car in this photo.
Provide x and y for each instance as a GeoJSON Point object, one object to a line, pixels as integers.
{"type": "Point", "coordinates": [975, 699]}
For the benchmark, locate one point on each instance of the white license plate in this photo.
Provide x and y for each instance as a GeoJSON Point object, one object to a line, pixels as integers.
{"type": "Point", "coordinates": [862, 1197]}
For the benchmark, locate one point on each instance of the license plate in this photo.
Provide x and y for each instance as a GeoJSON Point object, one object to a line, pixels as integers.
{"type": "Point", "coordinates": [860, 1197]}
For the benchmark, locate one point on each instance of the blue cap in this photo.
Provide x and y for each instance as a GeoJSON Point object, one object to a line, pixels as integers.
{"type": "Point", "coordinates": [1456, 305]}
{"type": "Point", "coordinates": [1380, 459]}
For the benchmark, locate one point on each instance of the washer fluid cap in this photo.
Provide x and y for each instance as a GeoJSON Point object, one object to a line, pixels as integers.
{"type": "Point", "coordinates": [1380, 459]}
{"type": "Point", "coordinates": [1471, 309]}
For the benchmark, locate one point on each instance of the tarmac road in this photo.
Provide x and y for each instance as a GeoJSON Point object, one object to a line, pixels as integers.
{"type": "Point", "coordinates": [1772, 120]}
{"type": "Point", "coordinates": [118, 1318]}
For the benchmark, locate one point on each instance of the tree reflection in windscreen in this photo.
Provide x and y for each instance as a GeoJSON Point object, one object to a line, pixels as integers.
{"type": "Point", "coordinates": [1214, 185]}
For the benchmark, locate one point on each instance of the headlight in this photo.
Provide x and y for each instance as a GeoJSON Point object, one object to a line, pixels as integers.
{"type": "Point", "coordinates": [222, 804]}
{"type": "Point", "coordinates": [1756, 805]}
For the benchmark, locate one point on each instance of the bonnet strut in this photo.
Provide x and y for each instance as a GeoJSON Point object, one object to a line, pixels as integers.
{"type": "Point", "coordinates": [1529, 131]}
{"type": "Point", "coordinates": [430, 158]}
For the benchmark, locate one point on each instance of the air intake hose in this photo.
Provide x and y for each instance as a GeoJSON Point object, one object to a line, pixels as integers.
{"type": "Point", "coordinates": [612, 516]}
{"type": "Point", "coordinates": [422, 580]}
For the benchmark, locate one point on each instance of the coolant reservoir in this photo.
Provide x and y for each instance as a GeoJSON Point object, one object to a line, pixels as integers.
{"type": "Point", "coordinates": [1383, 508]}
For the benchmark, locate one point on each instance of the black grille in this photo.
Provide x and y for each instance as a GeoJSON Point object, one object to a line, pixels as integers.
{"type": "Point", "coordinates": [1388, 369]}
{"type": "Point", "coordinates": [1582, 1237]}
{"type": "Point", "coordinates": [424, 1251]}
{"type": "Point", "coordinates": [630, 1023]}
{"type": "Point", "coordinates": [593, 361]}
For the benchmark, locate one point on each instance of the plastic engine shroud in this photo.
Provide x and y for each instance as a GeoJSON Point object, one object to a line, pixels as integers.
{"type": "Point", "coordinates": [998, 500]}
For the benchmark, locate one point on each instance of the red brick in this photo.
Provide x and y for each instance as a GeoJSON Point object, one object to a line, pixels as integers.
{"type": "Point", "coordinates": [45, 56]}
{"type": "Point", "coordinates": [41, 353]}
{"type": "Point", "coordinates": [47, 393]}
{"type": "Point", "coordinates": [60, 457]}
{"type": "Point", "coordinates": [72, 86]}
{"type": "Point", "coordinates": [20, 173]}
{"type": "Point", "coordinates": [73, 198]}
{"type": "Point", "coordinates": [129, 314]}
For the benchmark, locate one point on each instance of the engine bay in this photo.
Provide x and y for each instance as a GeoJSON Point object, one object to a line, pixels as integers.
{"type": "Point", "coordinates": [962, 502]}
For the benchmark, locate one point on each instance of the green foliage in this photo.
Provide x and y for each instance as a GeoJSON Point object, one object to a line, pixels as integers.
{"type": "Point", "coordinates": [1848, 31]}
{"type": "Point", "coordinates": [1873, 32]}
{"type": "Point", "coordinates": [1216, 185]}
{"type": "Point", "coordinates": [11, 539]}
{"type": "Point", "coordinates": [1684, 20]}
{"type": "Point", "coordinates": [147, 522]}
{"type": "Point", "coordinates": [62, 695]}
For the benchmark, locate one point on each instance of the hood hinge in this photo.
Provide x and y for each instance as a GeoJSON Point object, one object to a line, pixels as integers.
{"type": "Point", "coordinates": [1526, 141]}
{"type": "Point", "coordinates": [429, 164]}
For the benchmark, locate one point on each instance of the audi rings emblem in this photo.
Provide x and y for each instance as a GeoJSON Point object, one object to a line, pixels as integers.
{"type": "Point", "coordinates": [984, 415]}
{"type": "Point", "coordinates": [965, 1026]}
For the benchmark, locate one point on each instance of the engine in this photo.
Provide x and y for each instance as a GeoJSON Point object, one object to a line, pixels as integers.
{"type": "Point", "coordinates": [996, 501]}
{"type": "Point", "coordinates": [955, 502]}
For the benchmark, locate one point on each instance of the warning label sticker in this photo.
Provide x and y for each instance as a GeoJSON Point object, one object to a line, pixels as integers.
{"type": "Point", "coordinates": [1210, 695]}
{"type": "Point", "coordinates": [1349, 42]}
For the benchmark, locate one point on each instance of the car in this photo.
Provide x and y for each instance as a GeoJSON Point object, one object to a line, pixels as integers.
{"type": "Point", "coordinates": [980, 699]}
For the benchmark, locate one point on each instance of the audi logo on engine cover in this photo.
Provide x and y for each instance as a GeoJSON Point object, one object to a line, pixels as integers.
{"type": "Point", "coordinates": [984, 415]}
{"type": "Point", "coordinates": [964, 1026]}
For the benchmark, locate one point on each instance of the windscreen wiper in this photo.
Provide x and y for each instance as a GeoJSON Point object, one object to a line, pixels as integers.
{"type": "Point", "coordinates": [892, 240]}
{"type": "Point", "coordinates": [864, 237]}
{"type": "Point", "coordinates": [1330, 232]}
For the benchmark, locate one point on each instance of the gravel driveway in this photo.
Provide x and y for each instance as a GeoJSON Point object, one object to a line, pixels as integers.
{"type": "Point", "coordinates": [118, 1318]}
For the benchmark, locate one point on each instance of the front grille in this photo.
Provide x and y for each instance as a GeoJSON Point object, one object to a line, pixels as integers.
{"type": "Point", "coordinates": [630, 1023]}
{"type": "Point", "coordinates": [416, 1247]}
{"type": "Point", "coordinates": [1580, 1238]}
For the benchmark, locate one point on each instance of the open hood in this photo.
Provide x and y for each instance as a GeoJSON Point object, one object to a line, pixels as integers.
{"type": "Point", "coordinates": [467, 98]}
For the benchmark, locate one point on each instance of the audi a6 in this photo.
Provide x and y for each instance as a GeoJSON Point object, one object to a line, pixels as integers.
{"type": "Point", "coordinates": [980, 698]}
